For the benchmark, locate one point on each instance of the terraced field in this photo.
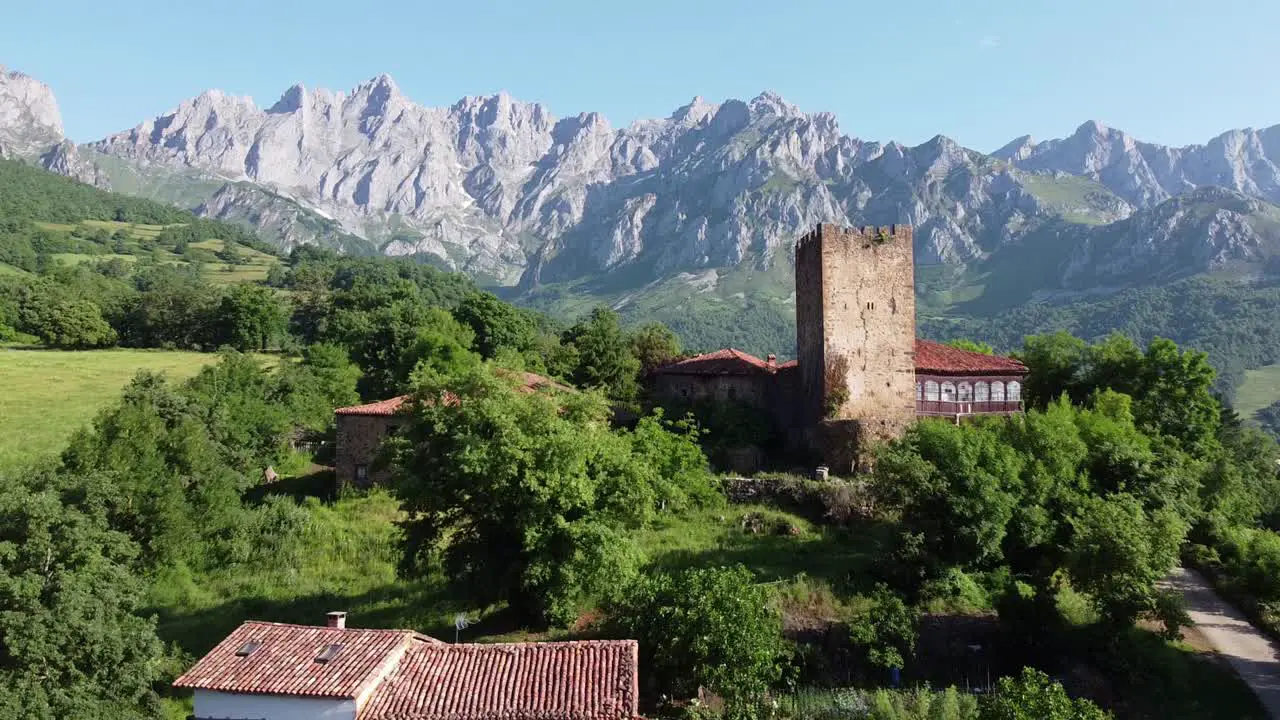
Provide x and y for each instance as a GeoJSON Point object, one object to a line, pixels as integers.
{"type": "Point", "coordinates": [130, 242]}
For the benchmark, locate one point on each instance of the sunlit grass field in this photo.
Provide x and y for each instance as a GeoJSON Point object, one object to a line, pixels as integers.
{"type": "Point", "coordinates": [46, 395]}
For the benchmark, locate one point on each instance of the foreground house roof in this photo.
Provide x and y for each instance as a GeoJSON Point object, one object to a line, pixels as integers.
{"type": "Point", "coordinates": [528, 382]}
{"type": "Point", "coordinates": [278, 659]}
{"type": "Point", "coordinates": [548, 681]}
{"type": "Point", "coordinates": [402, 675]}
{"type": "Point", "coordinates": [931, 357]}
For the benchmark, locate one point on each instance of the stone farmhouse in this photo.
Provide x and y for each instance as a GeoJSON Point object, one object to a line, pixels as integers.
{"type": "Point", "coordinates": [273, 671]}
{"type": "Point", "coordinates": [361, 429]}
{"type": "Point", "coordinates": [861, 374]}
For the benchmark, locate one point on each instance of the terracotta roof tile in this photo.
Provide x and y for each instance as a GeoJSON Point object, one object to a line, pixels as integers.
{"type": "Point", "coordinates": [284, 663]}
{"type": "Point", "coordinates": [720, 362]}
{"type": "Point", "coordinates": [530, 382]}
{"type": "Point", "coordinates": [390, 406]}
{"type": "Point", "coordinates": [401, 675]}
{"type": "Point", "coordinates": [589, 680]}
{"type": "Point", "coordinates": [932, 357]}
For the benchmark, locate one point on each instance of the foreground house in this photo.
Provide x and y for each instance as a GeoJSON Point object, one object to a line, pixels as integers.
{"type": "Point", "coordinates": [272, 671]}
{"type": "Point", "coordinates": [361, 429]}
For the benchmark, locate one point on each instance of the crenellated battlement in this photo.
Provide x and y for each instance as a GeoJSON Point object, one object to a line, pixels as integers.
{"type": "Point", "coordinates": [866, 234]}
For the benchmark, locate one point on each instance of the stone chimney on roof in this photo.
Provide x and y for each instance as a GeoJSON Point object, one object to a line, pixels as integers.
{"type": "Point", "coordinates": [337, 619]}
{"type": "Point", "coordinates": [772, 360]}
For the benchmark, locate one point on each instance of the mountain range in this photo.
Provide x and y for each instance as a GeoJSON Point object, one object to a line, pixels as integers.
{"type": "Point", "coordinates": [670, 216]}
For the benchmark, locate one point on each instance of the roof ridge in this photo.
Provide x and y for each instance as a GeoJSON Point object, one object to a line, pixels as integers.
{"type": "Point", "coordinates": [538, 644]}
{"type": "Point", "coordinates": [326, 627]}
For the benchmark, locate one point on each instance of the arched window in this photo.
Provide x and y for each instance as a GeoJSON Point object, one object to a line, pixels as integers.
{"type": "Point", "coordinates": [1015, 391]}
{"type": "Point", "coordinates": [931, 391]}
{"type": "Point", "coordinates": [981, 391]}
{"type": "Point", "coordinates": [964, 392]}
{"type": "Point", "coordinates": [919, 391]}
{"type": "Point", "coordinates": [997, 391]}
{"type": "Point", "coordinates": [948, 392]}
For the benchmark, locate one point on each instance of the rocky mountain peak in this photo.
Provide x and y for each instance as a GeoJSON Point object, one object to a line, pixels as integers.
{"type": "Point", "coordinates": [771, 103]}
{"type": "Point", "coordinates": [292, 100]}
{"type": "Point", "coordinates": [30, 122]}
{"type": "Point", "coordinates": [1091, 128]}
{"type": "Point", "coordinates": [381, 84]}
{"type": "Point", "coordinates": [695, 113]}
{"type": "Point", "coordinates": [1020, 148]}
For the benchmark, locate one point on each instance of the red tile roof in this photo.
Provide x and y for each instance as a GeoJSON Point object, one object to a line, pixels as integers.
{"type": "Point", "coordinates": [285, 661]}
{"type": "Point", "coordinates": [591, 680]}
{"type": "Point", "coordinates": [720, 362]}
{"type": "Point", "coordinates": [382, 407]}
{"type": "Point", "coordinates": [401, 675]}
{"type": "Point", "coordinates": [529, 382]}
{"type": "Point", "coordinates": [932, 357]}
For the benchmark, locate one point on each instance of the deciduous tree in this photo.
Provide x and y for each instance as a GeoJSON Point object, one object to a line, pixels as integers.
{"type": "Point", "coordinates": [712, 628]}
{"type": "Point", "coordinates": [526, 496]}
{"type": "Point", "coordinates": [71, 642]}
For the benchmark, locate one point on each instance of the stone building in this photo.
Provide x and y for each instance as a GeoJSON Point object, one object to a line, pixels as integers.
{"type": "Point", "coordinates": [861, 376]}
{"type": "Point", "coordinates": [362, 428]}
{"type": "Point", "coordinates": [723, 375]}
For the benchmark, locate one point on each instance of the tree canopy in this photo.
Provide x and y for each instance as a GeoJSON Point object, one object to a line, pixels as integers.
{"type": "Point", "coordinates": [526, 496]}
{"type": "Point", "coordinates": [712, 628]}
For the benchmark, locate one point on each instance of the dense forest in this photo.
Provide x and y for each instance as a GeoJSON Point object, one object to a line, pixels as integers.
{"type": "Point", "coordinates": [1236, 323]}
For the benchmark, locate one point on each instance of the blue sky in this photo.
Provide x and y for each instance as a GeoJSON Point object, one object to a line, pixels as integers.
{"type": "Point", "coordinates": [979, 71]}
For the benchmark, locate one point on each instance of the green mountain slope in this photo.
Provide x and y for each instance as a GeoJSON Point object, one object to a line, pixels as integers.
{"type": "Point", "coordinates": [49, 218]}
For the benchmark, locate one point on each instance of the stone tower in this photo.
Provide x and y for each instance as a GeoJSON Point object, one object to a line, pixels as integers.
{"type": "Point", "coordinates": [855, 337]}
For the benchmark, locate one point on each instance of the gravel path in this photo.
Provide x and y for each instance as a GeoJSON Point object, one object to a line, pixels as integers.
{"type": "Point", "coordinates": [1253, 655]}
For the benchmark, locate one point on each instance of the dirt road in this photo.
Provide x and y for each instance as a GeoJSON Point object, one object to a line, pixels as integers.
{"type": "Point", "coordinates": [1253, 655]}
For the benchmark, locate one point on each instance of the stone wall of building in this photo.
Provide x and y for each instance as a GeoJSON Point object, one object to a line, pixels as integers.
{"type": "Point", "coordinates": [358, 439]}
{"type": "Point", "coordinates": [810, 342]}
{"type": "Point", "coordinates": [855, 331]}
{"type": "Point", "coordinates": [750, 389]}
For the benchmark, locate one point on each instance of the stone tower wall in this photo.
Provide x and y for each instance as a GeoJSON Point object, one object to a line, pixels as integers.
{"type": "Point", "coordinates": [810, 342]}
{"type": "Point", "coordinates": [856, 329]}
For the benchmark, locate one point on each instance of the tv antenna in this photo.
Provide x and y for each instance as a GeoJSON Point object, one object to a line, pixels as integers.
{"type": "Point", "coordinates": [460, 623]}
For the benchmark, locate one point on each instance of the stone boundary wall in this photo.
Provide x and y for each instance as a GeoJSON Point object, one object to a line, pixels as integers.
{"type": "Point", "coordinates": [834, 502]}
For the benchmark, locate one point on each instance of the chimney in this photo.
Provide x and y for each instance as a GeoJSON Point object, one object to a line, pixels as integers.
{"type": "Point", "coordinates": [772, 359]}
{"type": "Point", "coordinates": [337, 619]}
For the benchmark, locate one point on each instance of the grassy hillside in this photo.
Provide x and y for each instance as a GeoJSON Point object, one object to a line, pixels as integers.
{"type": "Point", "coordinates": [101, 240]}
{"type": "Point", "coordinates": [1261, 387]}
{"type": "Point", "coordinates": [50, 394]}
{"type": "Point", "coordinates": [43, 214]}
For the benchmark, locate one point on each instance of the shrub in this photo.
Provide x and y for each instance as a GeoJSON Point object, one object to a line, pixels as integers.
{"type": "Point", "coordinates": [710, 628]}
{"type": "Point", "coordinates": [887, 630]}
{"type": "Point", "coordinates": [1034, 696]}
